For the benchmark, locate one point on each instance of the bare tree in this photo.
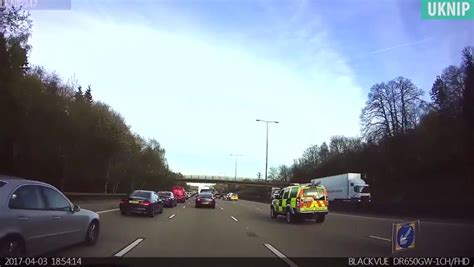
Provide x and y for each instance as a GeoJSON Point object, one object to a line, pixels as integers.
{"type": "Point", "coordinates": [392, 109]}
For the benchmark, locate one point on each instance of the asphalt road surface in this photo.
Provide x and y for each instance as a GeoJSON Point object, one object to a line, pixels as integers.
{"type": "Point", "coordinates": [245, 229]}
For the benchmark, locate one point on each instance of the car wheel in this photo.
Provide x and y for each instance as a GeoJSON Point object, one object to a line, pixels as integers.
{"type": "Point", "coordinates": [92, 233]}
{"type": "Point", "coordinates": [161, 210]}
{"type": "Point", "coordinates": [273, 213]}
{"type": "Point", "coordinates": [320, 218]}
{"type": "Point", "coordinates": [289, 217]}
{"type": "Point", "coordinates": [12, 247]}
{"type": "Point", "coordinates": [152, 212]}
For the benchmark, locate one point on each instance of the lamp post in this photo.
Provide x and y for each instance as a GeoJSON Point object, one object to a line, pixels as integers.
{"type": "Point", "coordinates": [236, 156]}
{"type": "Point", "coordinates": [266, 154]}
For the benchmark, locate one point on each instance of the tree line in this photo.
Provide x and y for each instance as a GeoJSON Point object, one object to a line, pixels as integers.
{"type": "Point", "coordinates": [52, 131]}
{"type": "Point", "coordinates": [410, 150]}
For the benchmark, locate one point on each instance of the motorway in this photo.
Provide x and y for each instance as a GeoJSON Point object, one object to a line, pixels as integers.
{"type": "Point", "coordinates": [245, 229]}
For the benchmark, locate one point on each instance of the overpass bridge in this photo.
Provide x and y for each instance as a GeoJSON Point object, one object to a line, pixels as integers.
{"type": "Point", "coordinates": [232, 180]}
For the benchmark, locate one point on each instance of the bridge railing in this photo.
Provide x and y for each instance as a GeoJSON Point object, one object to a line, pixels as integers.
{"type": "Point", "coordinates": [226, 178]}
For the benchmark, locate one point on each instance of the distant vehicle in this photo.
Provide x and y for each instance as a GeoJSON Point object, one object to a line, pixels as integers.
{"type": "Point", "coordinates": [36, 218]}
{"type": "Point", "coordinates": [301, 201]}
{"type": "Point", "coordinates": [179, 193]}
{"type": "Point", "coordinates": [275, 192]}
{"type": "Point", "coordinates": [227, 196]}
{"type": "Point", "coordinates": [205, 199]}
{"type": "Point", "coordinates": [234, 197]}
{"type": "Point", "coordinates": [345, 187]}
{"type": "Point", "coordinates": [142, 202]}
{"type": "Point", "coordinates": [205, 190]}
{"type": "Point", "coordinates": [168, 198]}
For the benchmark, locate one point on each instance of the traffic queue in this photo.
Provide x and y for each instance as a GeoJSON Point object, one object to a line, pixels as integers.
{"type": "Point", "coordinates": [37, 217]}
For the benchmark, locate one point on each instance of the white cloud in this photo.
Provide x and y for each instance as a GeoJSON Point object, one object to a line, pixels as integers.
{"type": "Point", "coordinates": [200, 97]}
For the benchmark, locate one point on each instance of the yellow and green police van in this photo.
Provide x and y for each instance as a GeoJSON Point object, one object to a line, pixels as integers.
{"type": "Point", "coordinates": [301, 202]}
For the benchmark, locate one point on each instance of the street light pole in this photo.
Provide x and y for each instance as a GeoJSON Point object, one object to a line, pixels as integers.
{"type": "Point", "coordinates": [266, 150]}
{"type": "Point", "coordinates": [236, 155]}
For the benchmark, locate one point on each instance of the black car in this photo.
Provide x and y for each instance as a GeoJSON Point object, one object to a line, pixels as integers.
{"type": "Point", "coordinates": [205, 199]}
{"type": "Point", "coordinates": [168, 198]}
{"type": "Point", "coordinates": [142, 202]}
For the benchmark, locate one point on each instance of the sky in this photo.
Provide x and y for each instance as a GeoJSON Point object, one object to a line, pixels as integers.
{"type": "Point", "coordinates": [196, 74]}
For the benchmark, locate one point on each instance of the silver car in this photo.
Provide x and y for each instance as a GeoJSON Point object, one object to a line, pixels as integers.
{"type": "Point", "coordinates": [36, 218]}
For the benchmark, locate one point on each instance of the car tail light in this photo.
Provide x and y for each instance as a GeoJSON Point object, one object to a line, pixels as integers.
{"type": "Point", "coordinates": [299, 202]}
{"type": "Point", "coordinates": [145, 203]}
{"type": "Point", "coordinates": [124, 201]}
{"type": "Point", "coordinates": [326, 203]}
{"type": "Point", "coordinates": [198, 199]}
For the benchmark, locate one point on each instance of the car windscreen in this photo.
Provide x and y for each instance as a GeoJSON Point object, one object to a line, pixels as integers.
{"type": "Point", "coordinates": [205, 195]}
{"type": "Point", "coordinates": [140, 194]}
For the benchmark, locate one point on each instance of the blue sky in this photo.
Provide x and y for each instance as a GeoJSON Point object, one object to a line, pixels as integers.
{"type": "Point", "coordinates": [196, 74]}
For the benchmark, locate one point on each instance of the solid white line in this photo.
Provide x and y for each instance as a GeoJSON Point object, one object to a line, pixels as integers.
{"type": "Point", "coordinates": [233, 218]}
{"type": "Point", "coordinates": [222, 208]}
{"type": "Point", "coordinates": [380, 238]}
{"type": "Point", "coordinates": [365, 217]}
{"type": "Point", "coordinates": [280, 255]}
{"type": "Point", "coordinates": [172, 215]}
{"type": "Point", "coordinates": [104, 211]}
{"type": "Point", "coordinates": [128, 248]}
{"type": "Point", "coordinates": [184, 207]}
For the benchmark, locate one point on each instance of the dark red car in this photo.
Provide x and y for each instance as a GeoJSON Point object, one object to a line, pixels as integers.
{"type": "Point", "coordinates": [205, 199]}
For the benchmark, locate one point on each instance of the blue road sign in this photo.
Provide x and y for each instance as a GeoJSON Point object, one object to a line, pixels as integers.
{"type": "Point", "coordinates": [404, 235]}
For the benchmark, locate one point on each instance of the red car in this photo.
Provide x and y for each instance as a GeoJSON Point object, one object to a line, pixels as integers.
{"type": "Point", "coordinates": [179, 193]}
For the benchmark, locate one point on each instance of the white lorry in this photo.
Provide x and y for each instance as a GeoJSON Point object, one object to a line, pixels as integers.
{"type": "Point", "coordinates": [345, 187]}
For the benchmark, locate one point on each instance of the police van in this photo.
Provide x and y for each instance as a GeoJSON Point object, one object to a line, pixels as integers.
{"type": "Point", "coordinates": [301, 202]}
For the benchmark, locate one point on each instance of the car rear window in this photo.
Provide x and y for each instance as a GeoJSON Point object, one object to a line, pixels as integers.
{"type": "Point", "coordinates": [2, 183]}
{"type": "Point", "coordinates": [164, 194]}
{"type": "Point", "coordinates": [205, 195]}
{"type": "Point", "coordinates": [313, 191]}
{"type": "Point", "coordinates": [141, 194]}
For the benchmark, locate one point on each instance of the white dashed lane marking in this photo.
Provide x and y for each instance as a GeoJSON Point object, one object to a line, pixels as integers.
{"type": "Point", "coordinates": [104, 211]}
{"type": "Point", "coordinates": [128, 248]}
{"type": "Point", "coordinates": [280, 255]}
{"type": "Point", "coordinates": [380, 238]}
